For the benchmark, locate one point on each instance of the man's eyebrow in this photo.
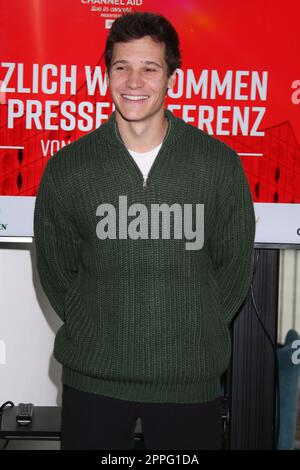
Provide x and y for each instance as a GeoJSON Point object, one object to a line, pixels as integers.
{"type": "Point", "coordinates": [151, 62]}
{"type": "Point", "coordinates": [148, 62]}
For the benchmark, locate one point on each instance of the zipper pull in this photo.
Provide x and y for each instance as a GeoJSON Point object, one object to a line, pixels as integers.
{"type": "Point", "coordinates": [145, 182]}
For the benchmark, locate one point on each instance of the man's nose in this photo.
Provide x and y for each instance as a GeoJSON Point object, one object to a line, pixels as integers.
{"type": "Point", "coordinates": [134, 79]}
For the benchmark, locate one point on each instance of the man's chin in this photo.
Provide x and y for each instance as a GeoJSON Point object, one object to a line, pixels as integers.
{"type": "Point", "coordinates": [136, 116]}
{"type": "Point", "coordinates": [131, 116]}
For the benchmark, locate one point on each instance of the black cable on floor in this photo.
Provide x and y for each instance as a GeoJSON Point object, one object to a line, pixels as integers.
{"type": "Point", "coordinates": [4, 405]}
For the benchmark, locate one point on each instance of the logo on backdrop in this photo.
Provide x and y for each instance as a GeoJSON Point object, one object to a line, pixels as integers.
{"type": "Point", "coordinates": [295, 97]}
{"type": "Point", "coordinates": [111, 8]}
{"type": "Point", "coordinates": [296, 354]}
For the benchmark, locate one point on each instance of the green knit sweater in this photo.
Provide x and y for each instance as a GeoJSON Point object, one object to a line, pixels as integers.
{"type": "Point", "coordinates": [144, 317]}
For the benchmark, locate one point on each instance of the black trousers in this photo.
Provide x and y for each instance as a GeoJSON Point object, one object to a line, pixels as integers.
{"type": "Point", "coordinates": [93, 422]}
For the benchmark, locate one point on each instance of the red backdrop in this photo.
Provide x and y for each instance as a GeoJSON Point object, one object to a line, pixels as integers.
{"type": "Point", "coordinates": [248, 47]}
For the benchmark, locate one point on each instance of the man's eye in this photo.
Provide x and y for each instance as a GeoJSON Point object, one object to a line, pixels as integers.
{"type": "Point", "coordinates": [119, 68]}
{"type": "Point", "coordinates": [150, 70]}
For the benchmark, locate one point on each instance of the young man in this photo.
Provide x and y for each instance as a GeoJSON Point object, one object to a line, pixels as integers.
{"type": "Point", "coordinates": [144, 231]}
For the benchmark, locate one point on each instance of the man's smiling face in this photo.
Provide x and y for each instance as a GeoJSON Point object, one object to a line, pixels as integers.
{"type": "Point", "coordinates": [138, 78]}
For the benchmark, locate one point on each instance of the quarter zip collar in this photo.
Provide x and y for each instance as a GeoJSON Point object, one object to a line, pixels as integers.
{"type": "Point", "coordinates": [120, 138]}
{"type": "Point", "coordinates": [110, 133]}
{"type": "Point", "coordinates": [145, 180]}
{"type": "Point", "coordinates": [107, 130]}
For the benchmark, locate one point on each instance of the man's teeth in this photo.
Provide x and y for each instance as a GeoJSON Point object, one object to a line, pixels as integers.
{"type": "Point", "coordinates": [135, 98]}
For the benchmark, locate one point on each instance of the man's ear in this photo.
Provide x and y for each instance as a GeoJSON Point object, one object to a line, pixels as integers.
{"type": "Point", "coordinates": [172, 80]}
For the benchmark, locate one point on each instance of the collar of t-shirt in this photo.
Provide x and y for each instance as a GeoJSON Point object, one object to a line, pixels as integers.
{"type": "Point", "coordinates": [145, 160]}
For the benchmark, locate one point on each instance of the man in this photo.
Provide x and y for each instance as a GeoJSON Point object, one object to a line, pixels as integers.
{"type": "Point", "coordinates": [144, 231]}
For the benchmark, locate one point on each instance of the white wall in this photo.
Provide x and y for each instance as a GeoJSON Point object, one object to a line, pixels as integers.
{"type": "Point", "coordinates": [28, 370]}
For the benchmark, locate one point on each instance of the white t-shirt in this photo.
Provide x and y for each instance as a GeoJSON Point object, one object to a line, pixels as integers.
{"type": "Point", "coordinates": [145, 160]}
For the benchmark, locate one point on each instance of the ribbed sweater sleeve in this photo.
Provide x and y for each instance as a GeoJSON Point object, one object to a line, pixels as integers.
{"type": "Point", "coordinates": [57, 245]}
{"type": "Point", "coordinates": [233, 242]}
